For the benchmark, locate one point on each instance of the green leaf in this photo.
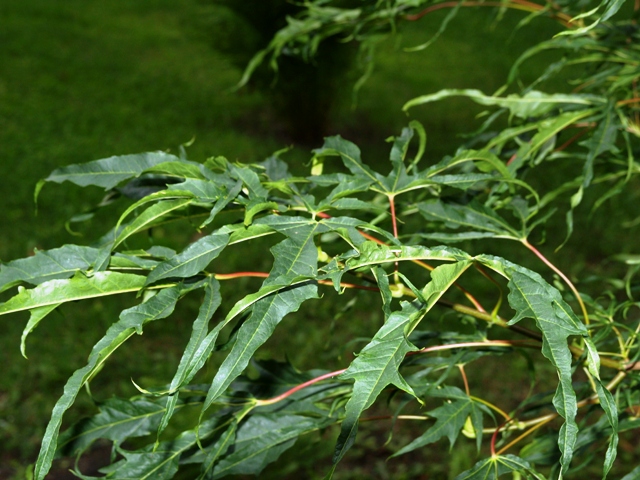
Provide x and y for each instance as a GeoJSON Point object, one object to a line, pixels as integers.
{"type": "Point", "coordinates": [219, 448]}
{"type": "Point", "coordinates": [197, 350]}
{"type": "Point", "coordinates": [371, 253]}
{"type": "Point", "coordinates": [150, 217]}
{"type": "Point", "coordinates": [534, 298]}
{"type": "Point", "coordinates": [193, 259]}
{"type": "Point", "coordinates": [160, 462]}
{"type": "Point", "coordinates": [202, 190]}
{"type": "Point", "coordinates": [350, 155]}
{"type": "Point", "coordinates": [473, 215]}
{"type": "Point", "coordinates": [131, 321]}
{"type": "Point", "coordinates": [180, 169]}
{"type": "Point", "coordinates": [109, 172]}
{"type": "Point", "coordinates": [532, 104]}
{"type": "Point", "coordinates": [37, 314]}
{"type": "Point", "coordinates": [603, 140]}
{"type": "Point", "coordinates": [118, 420]}
{"type": "Point", "coordinates": [260, 440]}
{"type": "Point", "coordinates": [46, 265]}
{"type": "Point", "coordinates": [547, 131]}
{"type": "Point", "coordinates": [80, 287]}
{"type": "Point", "coordinates": [295, 257]}
{"type": "Point", "coordinates": [496, 466]}
{"type": "Point", "coordinates": [378, 364]}
{"type": "Point", "coordinates": [607, 402]}
{"type": "Point", "coordinates": [633, 475]}
{"type": "Point", "coordinates": [450, 418]}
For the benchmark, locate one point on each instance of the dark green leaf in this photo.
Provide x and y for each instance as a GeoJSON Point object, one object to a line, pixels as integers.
{"type": "Point", "coordinates": [260, 440]}
{"type": "Point", "coordinates": [118, 420]}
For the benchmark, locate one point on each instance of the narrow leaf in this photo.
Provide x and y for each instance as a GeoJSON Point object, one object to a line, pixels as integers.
{"type": "Point", "coordinates": [295, 257]}
{"type": "Point", "coordinates": [80, 287]}
{"type": "Point", "coordinates": [108, 172]}
{"type": "Point", "coordinates": [45, 265]}
{"type": "Point", "coordinates": [194, 355]}
{"type": "Point", "coordinates": [130, 322]}
{"type": "Point", "coordinates": [193, 259]}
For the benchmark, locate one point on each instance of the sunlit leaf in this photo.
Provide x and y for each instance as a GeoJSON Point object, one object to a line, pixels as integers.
{"type": "Point", "coordinates": [45, 265]}
{"type": "Point", "coordinates": [131, 321]}
{"type": "Point", "coordinates": [80, 287]}
{"type": "Point", "coordinates": [109, 172]}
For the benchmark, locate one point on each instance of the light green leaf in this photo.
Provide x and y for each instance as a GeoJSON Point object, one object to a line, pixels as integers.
{"type": "Point", "coordinates": [46, 265]}
{"type": "Point", "coordinates": [532, 104]}
{"type": "Point", "coordinates": [350, 155]}
{"type": "Point", "coordinates": [80, 287]}
{"type": "Point", "coordinates": [450, 419]}
{"type": "Point", "coordinates": [150, 217]}
{"type": "Point", "coordinates": [378, 364]}
{"type": "Point", "coordinates": [196, 351]}
{"type": "Point", "coordinates": [109, 172]}
{"type": "Point", "coordinates": [295, 257]}
{"type": "Point", "coordinates": [179, 169]}
{"type": "Point", "coordinates": [632, 475]}
{"type": "Point", "coordinates": [494, 467]}
{"type": "Point", "coordinates": [193, 259]}
{"type": "Point", "coordinates": [37, 314]}
{"type": "Point", "coordinates": [534, 298]}
{"type": "Point", "coordinates": [131, 321]}
{"type": "Point", "coordinates": [547, 130]}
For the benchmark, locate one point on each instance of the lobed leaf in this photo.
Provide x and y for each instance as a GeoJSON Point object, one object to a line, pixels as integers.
{"type": "Point", "coordinates": [118, 420]}
{"type": "Point", "coordinates": [494, 467]}
{"type": "Point", "coordinates": [531, 297]}
{"type": "Point", "coordinates": [196, 351]}
{"type": "Point", "coordinates": [378, 364]}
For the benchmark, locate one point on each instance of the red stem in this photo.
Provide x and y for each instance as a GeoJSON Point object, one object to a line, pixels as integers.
{"type": "Point", "coordinates": [291, 391]}
{"type": "Point", "coordinates": [488, 343]}
{"type": "Point", "coordinates": [464, 379]}
{"type": "Point", "coordinates": [228, 276]}
{"type": "Point", "coordinates": [562, 276]}
{"type": "Point", "coordinates": [515, 4]}
{"type": "Point", "coordinates": [467, 294]}
{"type": "Point", "coordinates": [297, 388]}
{"type": "Point", "coordinates": [392, 205]}
{"type": "Point", "coordinates": [571, 140]}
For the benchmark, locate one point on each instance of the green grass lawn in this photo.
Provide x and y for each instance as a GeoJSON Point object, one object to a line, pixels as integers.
{"type": "Point", "coordinates": [82, 80]}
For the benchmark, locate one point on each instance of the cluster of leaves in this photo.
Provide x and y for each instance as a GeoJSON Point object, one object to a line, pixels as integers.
{"type": "Point", "coordinates": [345, 227]}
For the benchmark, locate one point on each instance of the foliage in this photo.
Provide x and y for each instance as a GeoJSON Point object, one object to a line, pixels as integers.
{"type": "Point", "coordinates": [348, 227]}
